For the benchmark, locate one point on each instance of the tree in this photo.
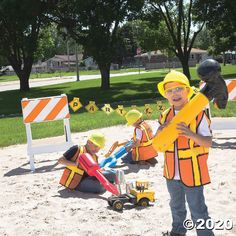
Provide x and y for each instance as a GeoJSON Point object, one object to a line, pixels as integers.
{"type": "Point", "coordinates": [203, 40]}
{"type": "Point", "coordinates": [220, 22]}
{"type": "Point", "coordinates": [20, 24]}
{"type": "Point", "coordinates": [144, 34]}
{"type": "Point", "coordinates": [179, 18]}
{"type": "Point", "coordinates": [3, 60]}
{"type": "Point", "coordinates": [94, 25]}
{"type": "Point", "coordinates": [52, 41]}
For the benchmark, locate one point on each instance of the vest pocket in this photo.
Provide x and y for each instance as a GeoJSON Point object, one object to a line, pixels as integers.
{"type": "Point", "coordinates": [202, 162]}
{"type": "Point", "coordinates": [186, 172]}
{"type": "Point", "coordinates": [75, 181]}
{"type": "Point", "coordinates": [65, 176]}
{"type": "Point", "coordinates": [169, 165]}
{"type": "Point", "coordinates": [70, 179]}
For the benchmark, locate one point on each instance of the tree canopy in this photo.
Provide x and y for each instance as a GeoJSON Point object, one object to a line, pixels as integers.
{"type": "Point", "coordinates": [94, 24]}
{"type": "Point", "coordinates": [20, 24]}
{"type": "Point", "coordinates": [179, 18]}
{"type": "Point", "coordinates": [111, 30]}
{"type": "Point", "coordinates": [220, 23]}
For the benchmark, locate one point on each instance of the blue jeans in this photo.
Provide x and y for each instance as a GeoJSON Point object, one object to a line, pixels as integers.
{"type": "Point", "coordinates": [91, 184]}
{"type": "Point", "coordinates": [128, 158]}
{"type": "Point", "coordinates": [196, 202]}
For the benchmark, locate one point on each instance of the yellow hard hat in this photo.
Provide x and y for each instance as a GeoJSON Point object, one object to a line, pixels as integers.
{"type": "Point", "coordinates": [98, 139]}
{"type": "Point", "coordinates": [174, 76]}
{"type": "Point", "coordinates": [132, 116]}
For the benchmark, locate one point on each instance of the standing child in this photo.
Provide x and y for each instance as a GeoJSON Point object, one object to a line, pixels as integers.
{"type": "Point", "coordinates": [185, 164]}
{"type": "Point", "coordinates": [142, 148]}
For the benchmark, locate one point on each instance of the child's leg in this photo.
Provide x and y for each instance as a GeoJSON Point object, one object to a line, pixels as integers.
{"type": "Point", "coordinates": [152, 161]}
{"type": "Point", "coordinates": [198, 208]}
{"type": "Point", "coordinates": [110, 175]}
{"type": "Point", "coordinates": [128, 159]}
{"type": "Point", "coordinates": [177, 205]}
{"type": "Point", "coordinates": [90, 185]}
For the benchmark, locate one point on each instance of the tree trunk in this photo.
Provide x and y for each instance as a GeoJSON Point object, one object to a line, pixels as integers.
{"type": "Point", "coordinates": [185, 66]}
{"type": "Point", "coordinates": [105, 73]}
{"type": "Point", "coordinates": [24, 78]}
{"type": "Point", "coordinates": [224, 59]}
{"type": "Point", "coordinates": [24, 84]}
{"type": "Point", "coordinates": [23, 74]}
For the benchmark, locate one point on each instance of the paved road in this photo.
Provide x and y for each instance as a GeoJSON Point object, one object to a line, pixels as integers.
{"type": "Point", "coordinates": [223, 123]}
{"type": "Point", "coordinates": [12, 85]}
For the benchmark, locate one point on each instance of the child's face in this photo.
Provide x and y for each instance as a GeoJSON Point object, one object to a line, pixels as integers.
{"type": "Point", "coordinates": [177, 94]}
{"type": "Point", "coordinates": [92, 148]}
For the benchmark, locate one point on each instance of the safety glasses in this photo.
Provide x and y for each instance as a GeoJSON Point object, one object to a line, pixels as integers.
{"type": "Point", "coordinates": [178, 89]}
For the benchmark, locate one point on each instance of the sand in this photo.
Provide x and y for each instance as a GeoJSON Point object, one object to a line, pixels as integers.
{"type": "Point", "coordinates": [35, 203]}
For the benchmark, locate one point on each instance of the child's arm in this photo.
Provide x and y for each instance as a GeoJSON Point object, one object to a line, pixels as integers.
{"type": "Point", "coordinates": [63, 161]}
{"type": "Point", "coordinates": [66, 157]}
{"type": "Point", "coordinates": [161, 127]}
{"type": "Point", "coordinates": [135, 144]}
{"type": "Point", "coordinates": [205, 141]}
{"type": "Point", "coordinates": [137, 141]}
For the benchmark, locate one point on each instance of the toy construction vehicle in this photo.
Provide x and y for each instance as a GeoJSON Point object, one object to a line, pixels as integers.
{"type": "Point", "coordinates": [140, 195]}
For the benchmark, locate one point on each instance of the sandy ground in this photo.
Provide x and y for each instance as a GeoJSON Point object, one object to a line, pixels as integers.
{"type": "Point", "coordinates": [35, 204]}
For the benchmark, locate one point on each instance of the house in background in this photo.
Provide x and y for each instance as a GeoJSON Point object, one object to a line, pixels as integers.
{"type": "Point", "coordinates": [57, 63]}
{"type": "Point", "coordinates": [90, 64]}
{"type": "Point", "coordinates": [157, 60]}
{"type": "Point", "coordinates": [198, 55]}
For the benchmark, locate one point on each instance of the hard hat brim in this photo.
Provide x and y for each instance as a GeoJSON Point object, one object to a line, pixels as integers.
{"type": "Point", "coordinates": [95, 143]}
{"type": "Point", "coordinates": [161, 89]}
{"type": "Point", "coordinates": [131, 123]}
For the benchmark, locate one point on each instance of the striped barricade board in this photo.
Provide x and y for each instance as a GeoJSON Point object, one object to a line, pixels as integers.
{"type": "Point", "coordinates": [45, 109]}
{"type": "Point", "coordinates": [231, 86]}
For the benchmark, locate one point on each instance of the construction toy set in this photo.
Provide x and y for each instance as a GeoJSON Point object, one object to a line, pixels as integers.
{"type": "Point", "coordinates": [137, 193]}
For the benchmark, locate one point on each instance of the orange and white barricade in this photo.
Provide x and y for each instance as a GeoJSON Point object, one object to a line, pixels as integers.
{"type": "Point", "coordinates": [231, 86]}
{"type": "Point", "coordinates": [44, 110]}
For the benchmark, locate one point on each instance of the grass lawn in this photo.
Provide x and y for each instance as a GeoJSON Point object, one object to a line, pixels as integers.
{"type": "Point", "coordinates": [229, 71]}
{"type": "Point", "coordinates": [125, 90]}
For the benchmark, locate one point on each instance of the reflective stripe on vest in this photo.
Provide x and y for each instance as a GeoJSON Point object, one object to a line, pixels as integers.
{"type": "Point", "coordinates": [145, 150]}
{"type": "Point", "coordinates": [72, 175]}
{"type": "Point", "coordinates": [192, 158]}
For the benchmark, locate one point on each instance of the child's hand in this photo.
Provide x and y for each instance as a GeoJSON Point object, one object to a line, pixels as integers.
{"type": "Point", "coordinates": [184, 130]}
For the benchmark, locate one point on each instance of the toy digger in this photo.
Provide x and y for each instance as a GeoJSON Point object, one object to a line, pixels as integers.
{"type": "Point", "coordinates": [111, 159]}
{"type": "Point", "coordinates": [137, 193]}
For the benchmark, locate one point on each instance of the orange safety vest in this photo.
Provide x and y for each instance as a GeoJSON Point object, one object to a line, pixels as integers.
{"type": "Point", "coordinates": [145, 150]}
{"type": "Point", "coordinates": [72, 175]}
{"type": "Point", "coordinates": [192, 158]}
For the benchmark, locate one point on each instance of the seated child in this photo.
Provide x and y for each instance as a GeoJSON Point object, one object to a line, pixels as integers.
{"type": "Point", "coordinates": [80, 180]}
{"type": "Point", "coordinates": [142, 149]}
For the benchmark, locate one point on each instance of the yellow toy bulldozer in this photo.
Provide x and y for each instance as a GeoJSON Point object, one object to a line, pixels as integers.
{"type": "Point", "coordinates": [137, 193]}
